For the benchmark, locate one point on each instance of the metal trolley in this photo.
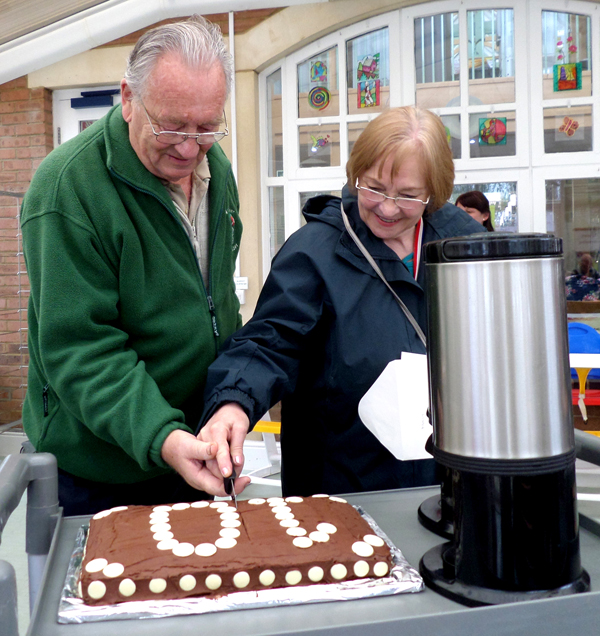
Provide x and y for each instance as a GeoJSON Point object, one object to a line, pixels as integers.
{"type": "Point", "coordinates": [50, 541]}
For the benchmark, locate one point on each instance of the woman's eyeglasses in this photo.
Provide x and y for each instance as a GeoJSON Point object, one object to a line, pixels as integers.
{"type": "Point", "coordinates": [410, 204]}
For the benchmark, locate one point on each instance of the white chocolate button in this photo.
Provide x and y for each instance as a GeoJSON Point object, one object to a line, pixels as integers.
{"type": "Point", "coordinates": [317, 496]}
{"type": "Point", "coordinates": [232, 533]}
{"type": "Point", "coordinates": [231, 523]}
{"type": "Point", "coordinates": [293, 577]}
{"type": "Point", "coordinates": [230, 515]}
{"type": "Point", "coordinates": [373, 539]}
{"type": "Point", "coordinates": [161, 508]}
{"type": "Point", "coordinates": [267, 577]}
{"type": "Point", "coordinates": [276, 509]}
{"type": "Point", "coordinates": [362, 549]}
{"type": "Point", "coordinates": [241, 580]}
{"type": "Point", "coordinates": [256, 501]}
{"type": "Point", "coordinates": [199, 504]}
{"type": "Point", "coordinates": [289, 523]}
{"type": "Point", "coordinates": [126, 587]}
{"type": "Point", "coordinates": [180, 506]}
{"type": "Point", "coordinates": [316, 574]}
{"type": "Point", "coordinates": [296, 532]}
{"type": "Point", "coordinates": [160, 527]}
{"type": "Point", "coordinates": [101, 515]}
{"type": "Point", "coordinates": [206, 549]}
{"type": "Point", "coordinates": [118, 509]}
{"type": "Point", "coordinates": [213, 582]}
{"type": "Point", "coordinates": [338, 571]}
{"type": "Point", "coordinates": [284, 515]}
{"type": "Point", "coordinates": [167, 544]}
{"type": "Point", "coordinates": [113, 570]}
{"type": "Point", "coordinates": [302, 542]}
{"type": "Point", "coordinates": [275, 501]}
{"type": "Point", "coordinates": [187, 582]}
{"type": "Point", "coordinates": [96, 565]}
{"type": "Point", "coordinates": [361, 568]}
{"type": "Point", "coordinates": [329, 528]}
{"type": "Point", "coordinates": [157, 586]}
{"type": "Point", "coordinates": [96, 589]}
{"type": "Point", "coordinates": [380, 569]}
{"type": "Point", "coordinates": [163, 536]}
{"type": "Point", "coordinates": [339, 499]}
{"type": "Point", "coordinates": [183, 549]}
{"type": "Point", "coordinates": [159, 517]}
{"type": "Point", "coordinates": [319, 537]}
{"type": "Point", "coordinates": [294, 499]}
{"type": "Point", "coordinates": [224, 543]}
{"type": "Point", "coordinates": [218, 504]}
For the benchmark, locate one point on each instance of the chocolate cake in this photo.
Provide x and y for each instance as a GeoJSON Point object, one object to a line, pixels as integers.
{"type": "Point", "coordinates": [209, 549]}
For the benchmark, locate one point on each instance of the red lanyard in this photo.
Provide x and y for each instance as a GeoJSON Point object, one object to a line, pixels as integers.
{"type": "Point", "coordinates": [417, 247]}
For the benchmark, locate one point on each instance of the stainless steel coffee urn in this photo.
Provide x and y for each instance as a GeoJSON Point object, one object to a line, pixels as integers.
{"type": "Point", "coordinates": [500, 402]}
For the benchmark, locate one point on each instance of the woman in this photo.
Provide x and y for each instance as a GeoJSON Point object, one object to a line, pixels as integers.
{"type": "Point", "coordinates": [475, 204]}
{"type": "Point", "coordinates": [326, 326]}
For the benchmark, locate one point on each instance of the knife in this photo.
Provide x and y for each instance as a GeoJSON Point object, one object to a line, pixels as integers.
{"type": "Point", "coordinates": [230, 485]}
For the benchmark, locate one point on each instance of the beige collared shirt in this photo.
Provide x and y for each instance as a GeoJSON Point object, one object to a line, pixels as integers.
{"type": "Point", "coordinates": [194, 214]}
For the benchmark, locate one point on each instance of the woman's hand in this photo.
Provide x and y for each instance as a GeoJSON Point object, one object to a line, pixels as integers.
{"type": "Point", "coordinates": [227, 429]}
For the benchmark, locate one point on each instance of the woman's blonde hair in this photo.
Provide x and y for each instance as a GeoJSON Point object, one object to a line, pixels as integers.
{"type": "Point", "coordinates": [403, 134]}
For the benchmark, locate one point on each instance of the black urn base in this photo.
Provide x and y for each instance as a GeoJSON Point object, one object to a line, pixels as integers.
{"type": "Point", "coordinates": [437, 570]}
{"type": "Point", "coordinates": [430, 517]}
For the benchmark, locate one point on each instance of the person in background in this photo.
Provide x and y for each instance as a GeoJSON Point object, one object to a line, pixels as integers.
{"type": "Point", "coordinates": [131, 232]}
{"type": "Point", "coordinates": [582, 283]}
{"type": "Point", "coordinates": [476, 204]}
{"type": "Point", "coordinates": [326, 325]}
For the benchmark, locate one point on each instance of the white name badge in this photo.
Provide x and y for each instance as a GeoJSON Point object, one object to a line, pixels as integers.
{"type": "Point", "coordinates": [394, 409]}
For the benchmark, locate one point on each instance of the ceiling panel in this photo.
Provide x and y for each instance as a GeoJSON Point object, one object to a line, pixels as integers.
{"type": "Point", "coordinates": [19, 17]}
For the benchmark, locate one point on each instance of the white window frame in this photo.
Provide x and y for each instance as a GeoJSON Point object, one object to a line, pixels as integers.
{"type": "Point", "coordinates": [530, 167]}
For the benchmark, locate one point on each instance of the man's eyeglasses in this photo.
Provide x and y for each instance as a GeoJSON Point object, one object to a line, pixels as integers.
{"type": "Point", "coordinates": [412, 205]}
{"type": "Point", "coordinates": [172, 138]}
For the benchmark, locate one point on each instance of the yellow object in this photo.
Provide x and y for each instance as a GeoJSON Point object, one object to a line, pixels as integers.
{"type": "Point", "coordinates": [582, 374]}
{"type": "Point", "coordinates": [264, 426]}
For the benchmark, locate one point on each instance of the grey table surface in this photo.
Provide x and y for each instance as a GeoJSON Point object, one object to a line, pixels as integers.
{"type": "Point", "coordinates": [419, 614]}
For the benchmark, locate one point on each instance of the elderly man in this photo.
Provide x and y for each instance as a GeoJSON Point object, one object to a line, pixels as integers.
{"type": "Point", "coordinates": [130, 233]}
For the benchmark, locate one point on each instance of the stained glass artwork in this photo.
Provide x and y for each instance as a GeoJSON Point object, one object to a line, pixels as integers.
{"type": "Point", "coordinates": [569, 126]}
{"type": "Point", "coordinates": [318, 72]}
{"type": "Point", "coordinates": [368, 68]}
{"type": "Point", "coordinates": [369, 93]}
{"type": "Point", "coordinates": [567, 77]}
{"type": "Point", "coordinates": [319, 97]}
{"type": "Point", "coordinates": [318, 142]}
{"type": "Point", "coordinates": [492, 131]}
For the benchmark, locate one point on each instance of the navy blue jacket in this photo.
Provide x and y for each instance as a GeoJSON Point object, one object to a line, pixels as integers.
{"type": "Point", "coordinates": [324, 329]}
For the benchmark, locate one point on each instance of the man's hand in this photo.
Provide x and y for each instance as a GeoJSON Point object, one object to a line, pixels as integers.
{"type": "Point", "coordinates": [188, 456]}
{"type": "Point", "coordinates": [227, 428]}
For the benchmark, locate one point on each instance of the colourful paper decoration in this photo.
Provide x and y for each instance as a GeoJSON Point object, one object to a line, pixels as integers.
{"type": "Point", "coordinates": [567, 77]}
{"type": "Point", "coordinates": [369, 93]}
{"type": "Point", "coordinates": [569, 126]}
{"type": "Point", "coordinates": [319, 142]}
{"type": "Point", "coordinates": [318, 72]}
{"type": "Point", "coordinates": [492, 131]}
{"type": "Point", "coordinates": [368, 67]}
{"type": "Point", "coordinates": [319, 97]}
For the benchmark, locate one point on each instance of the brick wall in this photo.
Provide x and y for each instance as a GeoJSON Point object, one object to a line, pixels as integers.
{"type": "Point", "coordinates": [25, 139]}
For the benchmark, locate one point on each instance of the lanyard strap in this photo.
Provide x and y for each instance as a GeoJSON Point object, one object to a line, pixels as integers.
{"type": "Point", "coordinates": [417, 247]}
{"type": "Point", "coordinates": [374, 265]}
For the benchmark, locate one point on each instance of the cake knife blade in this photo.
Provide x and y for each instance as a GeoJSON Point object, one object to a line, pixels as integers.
{"type": "Point", "coordinates": [229, 484]}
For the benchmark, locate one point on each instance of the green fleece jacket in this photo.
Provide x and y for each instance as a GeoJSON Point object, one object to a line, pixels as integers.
{"type": "Point", "coordinates": [121, 326]}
